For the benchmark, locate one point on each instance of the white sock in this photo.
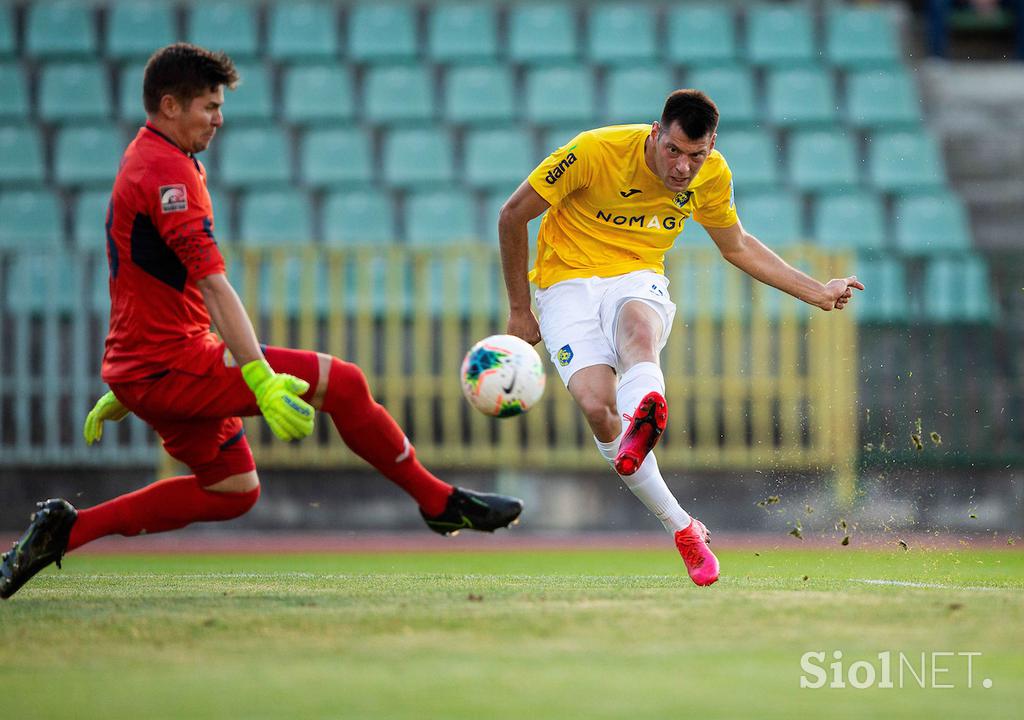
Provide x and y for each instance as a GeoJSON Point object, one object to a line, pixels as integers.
{"type": "Point", "coordinates": [649, 486]}
{"type": "Point", "coordinates": [636, 382]}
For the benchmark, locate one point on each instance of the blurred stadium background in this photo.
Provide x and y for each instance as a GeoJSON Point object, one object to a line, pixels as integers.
{"type": "Point", "coordinates": [356, 185]}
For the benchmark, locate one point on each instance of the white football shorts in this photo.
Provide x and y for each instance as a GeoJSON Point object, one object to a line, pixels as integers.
{"type": "Point", "coordinates": [578, 317]}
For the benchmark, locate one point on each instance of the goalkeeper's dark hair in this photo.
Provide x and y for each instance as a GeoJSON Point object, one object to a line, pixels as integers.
{"type": "Point", "coordinates": [185, 71]}
{"type": "Point", "coordinates": [694, 112]}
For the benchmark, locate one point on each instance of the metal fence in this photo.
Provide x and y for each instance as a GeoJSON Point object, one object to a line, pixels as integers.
{"type": "Point", "coordinates": [754, 377]}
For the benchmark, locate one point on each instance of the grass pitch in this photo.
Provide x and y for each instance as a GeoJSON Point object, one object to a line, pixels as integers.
{"type": "Point", "coordinates": [582, 634]}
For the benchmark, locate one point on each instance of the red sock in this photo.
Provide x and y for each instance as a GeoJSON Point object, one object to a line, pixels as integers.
{"type": "Point", "coordinates": [373, 435]}
{"type": "Point", "coordinates": [167, 504]}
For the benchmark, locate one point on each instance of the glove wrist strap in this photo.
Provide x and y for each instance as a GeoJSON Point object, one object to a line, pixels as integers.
{"type": "Point", "coordinates": [256, 373]}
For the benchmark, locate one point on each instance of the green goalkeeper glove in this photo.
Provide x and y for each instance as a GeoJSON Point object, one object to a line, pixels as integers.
{"type": "Point", "coordinates": [106, 408]}
{"type": "Point", "coordinates": [277, 394]}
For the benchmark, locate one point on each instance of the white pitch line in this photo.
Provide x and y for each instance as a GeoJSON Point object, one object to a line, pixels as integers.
{"type": "Point", "coordinates": [937, 586]}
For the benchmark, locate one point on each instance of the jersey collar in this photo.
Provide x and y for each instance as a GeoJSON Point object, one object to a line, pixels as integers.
{"type": "Point", "coordinates": [159, 134]}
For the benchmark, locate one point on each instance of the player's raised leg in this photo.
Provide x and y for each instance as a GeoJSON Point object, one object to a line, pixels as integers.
{"type": "Point", "coordinates": [641, 390]}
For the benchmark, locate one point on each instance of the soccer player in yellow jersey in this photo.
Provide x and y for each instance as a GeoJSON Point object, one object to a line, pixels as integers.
{"type": "Point", "coordinates": [616, 198]}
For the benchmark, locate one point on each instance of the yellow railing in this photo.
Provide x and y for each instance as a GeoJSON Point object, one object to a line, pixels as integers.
{"type": "Point", "coordinates": [755, 378]}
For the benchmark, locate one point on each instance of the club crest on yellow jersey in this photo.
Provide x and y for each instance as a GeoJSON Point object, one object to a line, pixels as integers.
{"type": "Point", "coordinates": [682, 198]}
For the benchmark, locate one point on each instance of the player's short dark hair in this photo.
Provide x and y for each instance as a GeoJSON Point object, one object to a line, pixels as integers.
{"type": "Point", "coordinates": [185, 71]}
{"type": "Point", "coordinates": [694, 112]}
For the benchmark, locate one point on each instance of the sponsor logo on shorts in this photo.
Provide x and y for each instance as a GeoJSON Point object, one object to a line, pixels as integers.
{"type": "Point", "coordinates": [173, 198]}
{"type": "Point", "coordinates": [682, 198]}
{"type": "Point", "coordinates": [564, 355]}
{"type": "Point", "coordinates": [559, 170]}
{"type": "Point", "coordinates": [655, 290]}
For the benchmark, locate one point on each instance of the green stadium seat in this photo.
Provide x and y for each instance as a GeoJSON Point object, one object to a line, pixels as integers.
{"type": "Point", "coordinates": [44, 283]}
{"type": "Point", "coordinates": [498, 157]}
{"type": "Point", "coordinates": [462, 287]}
{"type": "Point", "coordinates": [772, 217]}
{"type": "Point", "coordinates": [252, 100]}
{"type": "Point", "coordinates": [7, 34]}
{"type": "Point", "coordinates": [60, 30]}
{"type": "Point", "coordinates": [73, 92]}
{"type": "Point", "coordinates": [318, 94]}
{"type": "Point", "coordinates": [560, 95]}
{"type": "Point", "coordinates": [801, 96]}
{"type": "Point", "coordinates": [302, 31]}
{"type": "Point", "coordinates": [542, 33]}
{"type": "Point", "coordinates": [881, 98]}
{"type": "Point", "coordinates": [780, 34]}
{"type": "Point", "coordinates": [752, 156]}
{"type": "Point", "coordinates": [372, 283]}
{"type": "Point", "coordinates": [701, 35]}
{"type": "Point", "coordinates": [621, 33]}
{"type": "Point", "coordinates": [99, 298]}
{"type": "Point", "coordinates": [255, 156]}
{"type": "Point", "coordinates": [859, 36]}
{"type": "Point", "coordinates": [87, 155]}
{"type": "Point", "coordinates": [223, 216]}
{"type": "Point", "coordinates": [699, 290]}
{"type": "Point", "coordinates": [464, 32]}
{"type": "Point", "coordinates": [130, 107]}
{"type": "Point", "coordinates": [418, 156]}
{"type": "Point", "coordinates": [136, 29]}
{"type": "Point", "coordinates": [822, 159]}
{"type": "Point", "coordinates": [933, 222]}
{"type": "Point", "coordinates": [32, 219]}
{"type": "Point", "coordinates": [227, 26]}
{"type": "Point", "coordinates": [886, 299]}
{"type": "Point", "coordinates": [89, 224]}
{"type": "Point", "coordinates": [280, 217]}
{"type": "Point", "coordinates": [905, 162]}
{"type": "Point", "coordinates": [21, 156]}
{"type": "Point", "coordinates": [637, 94]}
{"type": "Point", "coordinates": [359, 218]}
{"type": "Point", "coordinates": [732, 89]}
{"type": "Point", "coordinates": [440, 217]}
{"type": "Point", "coordinates": [556, 137]}
{"type": "Point", "coordinates": [384, 32]}
{"type": "Point", "coordinates": [341, 156]}
{"type": "Point", "coordinates": [479, 94]}
{"type": "Point", "coordinates": [281, 283]}
{"type": "Point", "coordinates": [493, 202]}
{"type": "Point", "coordinates": [958, 289]}
{"type": "Point", "coordinates": [398, 93]}
{"type": "Point", "coordinates": [13, 92]}
{"type": "Point", "coordinates": [850, 220]}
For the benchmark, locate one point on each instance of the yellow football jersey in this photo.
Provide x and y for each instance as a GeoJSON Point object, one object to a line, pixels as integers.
{"type": "Point", "coordinates": [610, 214]}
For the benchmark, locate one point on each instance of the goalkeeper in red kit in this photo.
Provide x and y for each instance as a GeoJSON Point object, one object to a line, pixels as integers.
{"type": "Point", "coordinates": [163, 362]}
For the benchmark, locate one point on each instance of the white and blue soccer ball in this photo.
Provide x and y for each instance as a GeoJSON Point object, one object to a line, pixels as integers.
{"type": "Point", "coordinates": [502, 376]}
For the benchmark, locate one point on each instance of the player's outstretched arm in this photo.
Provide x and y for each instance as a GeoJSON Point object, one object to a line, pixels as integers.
{"type": "Point", "coordinates": [757, 260]}
{"type": "Point", "coordinates": [106, 408]}
{"type": "Point", "coordinates": [513, 237]}
{"type": "Point", "coordinates": [278, 395]}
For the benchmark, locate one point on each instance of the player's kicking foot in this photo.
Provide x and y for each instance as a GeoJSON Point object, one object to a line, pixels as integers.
{"type": "Point", "coordinates": [692, 542]}
{"type": "Point", "coordinates": [45, 541]}
{"type": "Point", "coordinates": [644, 431]}
{"type": "Point", "coordinates": [469, 510]}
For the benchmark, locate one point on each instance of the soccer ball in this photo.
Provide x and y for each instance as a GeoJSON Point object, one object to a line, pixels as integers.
{"type": "Point", "coordinates": [502, 375]}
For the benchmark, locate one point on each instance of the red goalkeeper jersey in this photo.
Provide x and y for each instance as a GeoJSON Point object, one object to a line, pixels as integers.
{"type": "Point", "coordinates": [159, 243]}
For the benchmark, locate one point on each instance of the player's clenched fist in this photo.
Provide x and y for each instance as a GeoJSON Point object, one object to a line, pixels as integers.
{"type": "Point", "coordinates": [277, 394]}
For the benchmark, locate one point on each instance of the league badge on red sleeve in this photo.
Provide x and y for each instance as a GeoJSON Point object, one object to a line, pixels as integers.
{"type": "Point", "coordinates": [173, 198]}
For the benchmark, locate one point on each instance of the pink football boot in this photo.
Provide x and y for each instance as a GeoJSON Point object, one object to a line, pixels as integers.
{"type": "Point", "coordinates": [701, 563]}
{"type": "Point", "coordinates": [644, 431]}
